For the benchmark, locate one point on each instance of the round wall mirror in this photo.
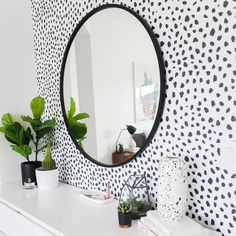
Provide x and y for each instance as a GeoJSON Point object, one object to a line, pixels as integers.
{"type": "Point", "coordinates": [112, 85]}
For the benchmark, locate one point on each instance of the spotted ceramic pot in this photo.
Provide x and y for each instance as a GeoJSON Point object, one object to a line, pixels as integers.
{"type": "Point", "coordinates": [172, 189]}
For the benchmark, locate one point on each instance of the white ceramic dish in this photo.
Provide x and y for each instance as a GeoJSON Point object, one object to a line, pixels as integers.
{"type": "Point", "coordinates": [95, 196]}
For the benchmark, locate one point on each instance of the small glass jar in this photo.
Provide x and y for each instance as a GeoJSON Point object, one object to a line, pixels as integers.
{"type": "Point", "coordinates": [29, 184]}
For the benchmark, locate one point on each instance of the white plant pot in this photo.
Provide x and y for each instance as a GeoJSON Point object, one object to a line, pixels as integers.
{"type": "Point", "coordinates": [47, 179]}
{"type": "Point", "coordinates": [172, 189]}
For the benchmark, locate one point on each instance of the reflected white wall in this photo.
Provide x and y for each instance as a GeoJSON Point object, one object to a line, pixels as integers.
{"type": "Point", "coordinates": [115, 48]}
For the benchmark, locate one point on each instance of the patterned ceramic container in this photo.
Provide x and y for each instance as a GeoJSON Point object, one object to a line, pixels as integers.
{"type": "Point", "coordinates": [172, 189]}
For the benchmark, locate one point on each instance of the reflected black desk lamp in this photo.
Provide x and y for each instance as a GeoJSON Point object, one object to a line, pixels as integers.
{"type": "Point", "coordinates": [131, 129]}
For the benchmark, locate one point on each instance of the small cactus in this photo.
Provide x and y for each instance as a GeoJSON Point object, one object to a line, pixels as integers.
{"type": "Point", "coordinates": [124, 207]}
{"type": "Point", "coordinates": [48, 162]}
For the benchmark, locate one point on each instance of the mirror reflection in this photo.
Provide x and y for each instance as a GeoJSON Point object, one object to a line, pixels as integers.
{"type": "Point", "coordinates": [111, 86]}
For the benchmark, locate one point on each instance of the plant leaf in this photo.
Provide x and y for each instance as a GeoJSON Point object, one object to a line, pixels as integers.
{"type": "Point", "coordinates": [45, 128]}
{"type": "Point", "coordinates": [23, 138]}
{"type": "Point", "coordinates": [72, 110]}
{"type": "Point", "coordinates": [29, 134]}
{"type": "Point", "coordinates": [2, 129]}
{"type": "Point", "coordinates": [78, 130]}
{"type": "Point", "coordinates": [12, 133]}
{"type": "Point", "coordinates": [37, 107]}
{"type": "Point", "coordinates": [24, 150]}
{"type": "Point", "coordinates": [43, 132]}
{"type": "Point", "coordinates": [43, 147]}
{"type": "Point", "coordinates": [27, 119]}
{"type": "Point", "coordinates": [47, 124]}
{"type": "Point", "coordinates": [81, 116]}
{"type": "Point", "coordinates": [7, 120]}
{"type": "Point", "coordinates": [35, 123]}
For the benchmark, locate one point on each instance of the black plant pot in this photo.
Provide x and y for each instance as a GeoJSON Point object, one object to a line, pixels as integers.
{"type": "Point", "coordinates": [28, 170]}
{"type": "Point", "coordinates": [125, 219]}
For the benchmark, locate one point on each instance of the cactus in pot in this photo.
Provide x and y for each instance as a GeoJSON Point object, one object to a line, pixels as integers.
{"type": "Point", "coordinates": [47, 175]}
{"type": "Point", "coordinates": [48, 163]}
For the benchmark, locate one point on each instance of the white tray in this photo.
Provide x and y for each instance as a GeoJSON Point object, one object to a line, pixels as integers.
{"type": "Point", "coordinates": [95, 196]}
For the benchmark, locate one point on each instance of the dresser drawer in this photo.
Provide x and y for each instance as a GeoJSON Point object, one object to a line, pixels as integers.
{"type": "Point", "coordinates": [13, 223]}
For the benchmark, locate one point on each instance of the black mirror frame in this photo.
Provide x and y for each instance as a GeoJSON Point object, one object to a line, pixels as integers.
{"type": "Point", "coordinates": [162, 82]}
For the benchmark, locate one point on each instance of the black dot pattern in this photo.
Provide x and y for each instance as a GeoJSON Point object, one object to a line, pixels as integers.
{"type": "Point", "coordinates": [198, 42]}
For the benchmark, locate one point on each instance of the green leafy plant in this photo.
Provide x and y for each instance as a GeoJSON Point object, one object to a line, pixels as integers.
{"type": "Point", "coordinates": [16, 134]}
{"type": "Point", "coordinates": [138, 205]}
{"type": "Point", "coordinates": [77, 128]}
{"type": "Point", "coordinates": [21, 138]}
{"type": "Point", "coordinates": [124, 207]}
{"type": "Point", "coordinates": [48, 163]}
{"type": "Point", "coordinates": [40, 128]}
{"type": "Point", "coordinates": [120, 148]}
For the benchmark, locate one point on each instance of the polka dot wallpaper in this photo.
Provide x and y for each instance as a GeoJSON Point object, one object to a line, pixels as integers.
{"type": "Point", "coordinates": [198, 42]}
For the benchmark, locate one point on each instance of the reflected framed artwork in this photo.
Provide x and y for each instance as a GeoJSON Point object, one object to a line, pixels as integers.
{"type": "Point", "coordinates": [146, 90]}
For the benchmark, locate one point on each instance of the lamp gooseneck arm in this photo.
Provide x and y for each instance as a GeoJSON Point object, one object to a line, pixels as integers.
{"type": "Point", "coordinates": [119, 138]}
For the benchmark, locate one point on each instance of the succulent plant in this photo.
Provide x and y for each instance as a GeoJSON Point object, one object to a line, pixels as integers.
{"type": "Point", "coordinates": [124, 207]}
{"type": "Point", "coordinates": [48, 163]}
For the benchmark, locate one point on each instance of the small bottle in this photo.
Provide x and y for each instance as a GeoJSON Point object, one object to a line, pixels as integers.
{"type": "Point", "coordinates": [108, 192]}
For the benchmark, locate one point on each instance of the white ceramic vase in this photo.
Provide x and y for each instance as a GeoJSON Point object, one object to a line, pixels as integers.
{"type": "Point", "coordinates": [172, 189]}
{"type": "Point", "coordinates": [47, 179]}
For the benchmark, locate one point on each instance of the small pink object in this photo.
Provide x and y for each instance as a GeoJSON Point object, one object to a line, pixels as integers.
{"type": "Point", "coordinates": [108, 192]}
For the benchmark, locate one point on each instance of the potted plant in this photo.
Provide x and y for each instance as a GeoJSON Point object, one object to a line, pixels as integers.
{"type": "Point", "coordinates": [47, 175]}
{"type": "Point", "coordinates": [22, 139]}
{"type": "Point", "coordinates": [124, 214]}
{"type": "Point", "coordinates": [77, 128]}
{"type": "Point", "coordinates": [139, 208]}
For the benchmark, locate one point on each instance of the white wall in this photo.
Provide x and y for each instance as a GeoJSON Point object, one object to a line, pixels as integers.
{"type": "Point", "coordinates": [78, 83]}
{"type": "Point", "coordinates": [85, 90]}
{"type": "Point", "coordinates": [17, 74]}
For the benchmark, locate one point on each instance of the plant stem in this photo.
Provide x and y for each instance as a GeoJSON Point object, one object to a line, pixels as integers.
{"type": "Point", "coordinates": [36, 147]}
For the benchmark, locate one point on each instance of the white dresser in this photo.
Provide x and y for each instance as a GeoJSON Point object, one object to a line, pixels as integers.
{"type": "Point", "coordinates": [56, 212]}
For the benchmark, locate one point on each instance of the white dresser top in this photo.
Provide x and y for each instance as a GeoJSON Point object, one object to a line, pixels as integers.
{"type": "Point", "coordinates": [62, 212]}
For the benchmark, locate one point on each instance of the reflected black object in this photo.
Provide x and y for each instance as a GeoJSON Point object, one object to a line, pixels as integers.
{"type": "Point", "coordinates": [131, 129]}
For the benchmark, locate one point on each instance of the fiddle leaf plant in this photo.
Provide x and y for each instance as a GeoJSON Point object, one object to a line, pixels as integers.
{"type": "Point", "coordinates": [40, 128]}
{"type": "Point", "coordinates": [77, 128]}
{"type": "Point", "coordinates": [20, 137]}
{"type": "Point", "coordinates": [16, 134]}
